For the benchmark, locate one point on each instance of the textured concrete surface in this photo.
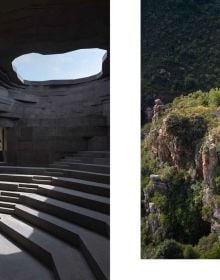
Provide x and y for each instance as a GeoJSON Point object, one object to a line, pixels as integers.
{"type": "Point", "coordinates": [64, 120]}
{"type": "Point", "coordinates": [15, 263]}
{"type": "Point", "coordinates": [69, 263]}
{"type": "Point", "coordinates": [49, 26]}
{"type": "Point", "coordinates": [47, 122]}
{"type": "Point", "coordinates": [43, 124]}
{"type": "Point", "coordinates": [61, 221]}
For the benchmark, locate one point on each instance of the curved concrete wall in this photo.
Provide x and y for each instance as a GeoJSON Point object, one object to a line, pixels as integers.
{"type": "Point", "coordinates": [64, 120]}
{"type": "Point", "coordinates": [49, 27]}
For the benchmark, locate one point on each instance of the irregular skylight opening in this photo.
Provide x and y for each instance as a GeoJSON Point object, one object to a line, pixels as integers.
{"type": "Point", "coordinates": [70, 67]}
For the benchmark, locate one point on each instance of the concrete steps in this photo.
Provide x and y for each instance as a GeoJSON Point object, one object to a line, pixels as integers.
{"type": "Point", "coordinates": [11, 177]}
{"type": "Point", "coordinates": [16, 186]}
{"type": "Point", "coordinates": [78, 174]}
{"type": "Point", "coordinates": [96, 157]}
{"type": "Point", "coordinates": [8, 186]}
{"type": "Point", "coordinates": [94, 154]}
{"type": "Point", "coordinates": [15, 263]}
{"type": "Point", "coordinates": [7, 204]}
{"type": "Point", "coordinates": [66, 261]}
{"type": "Point", "coordinates": [82, 185]}
{"type": "Point", "coordinates": [38, 181]}
{"type": "Point", "coordinates": [53, 173]}
{"type": "Point", "coordinates": [94, 247]}
{"type": "Point", "coordinates": [90, 201]}
{"type": "Point", "coordinates": [9, 198]}
{"type": "Point", "coordinates": [60, 214]}
{"type": "Point", "coordinates": [84, 159]}
{"type": "Point", "coordinates": [28, 190]}
{"type": "Point", "coordinates": [87, 240]}
{"type": "Point", "coordinates": [97, 168]}
{"type": "Point", "coordinates": [7, 210]}
{"type": "Point", "coordinates": [11, 182]}
{"type": "Point", "coordinates": [85, 175]}
{"type": "Point", "coordinates": [10, 194]}
{"type": "Point", "coordinates": [89, 219]}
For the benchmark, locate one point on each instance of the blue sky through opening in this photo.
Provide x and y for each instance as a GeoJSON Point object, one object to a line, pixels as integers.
{"type": "Point", "coordinates": [68, 66]}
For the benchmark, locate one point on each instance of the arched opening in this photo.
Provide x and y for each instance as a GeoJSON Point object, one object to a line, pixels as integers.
{"type": "Point", "coordinates": [68, 68]}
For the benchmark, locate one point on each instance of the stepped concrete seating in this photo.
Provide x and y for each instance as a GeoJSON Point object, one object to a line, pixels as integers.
{"type": "Point", "coordinates": [15, 263]}
{"type": "Point", "coordinates": [78, 174]}
{"type": "Point", "coordinates": [61, 221]}
{"type": "Point", "coordinates": [89, 157]}
{"type": "Point", "coordinates": [82, 166]}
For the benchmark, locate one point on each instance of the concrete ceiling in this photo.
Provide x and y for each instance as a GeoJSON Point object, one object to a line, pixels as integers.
{"type": "Point", "coordinates": [50, 26]}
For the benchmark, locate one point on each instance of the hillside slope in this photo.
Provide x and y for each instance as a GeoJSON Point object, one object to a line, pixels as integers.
{"type": "Point", "coordinates": [180, 48]}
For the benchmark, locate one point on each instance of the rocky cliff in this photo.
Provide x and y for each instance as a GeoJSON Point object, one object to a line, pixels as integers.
{"type": "Point", "coordinates": [180, 171]}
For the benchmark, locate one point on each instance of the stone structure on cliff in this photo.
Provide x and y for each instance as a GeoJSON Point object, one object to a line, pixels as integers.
{"type": "Point", "coordinates": [54, 141]}
{"type": "Point", "coordinates": [157, 110]}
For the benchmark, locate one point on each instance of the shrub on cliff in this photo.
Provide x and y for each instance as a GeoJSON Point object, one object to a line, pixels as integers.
{"type": "Point", "coordinates": [166, 172]}
{"type": "Point", "coordinates": [187, 129]}
{"type": "Point", "coordinates": [213, 253]}
{"type": "Point", "coordinates": [217, 184]}
{"type": "Point", "coordinates": [214, 97]}
{"type": "Point", "coordinates": [160, 201]}
{"type": "Point", "coordinates": [169, 249]}
{"type": "Point", "coordinates": [207, 242]}
{"type": "Point", "coordinates": [190, 252]}
{"type": "Point", "coordinates": [206, 212]}
{"type": "Point", "coordinates": [180, 211]}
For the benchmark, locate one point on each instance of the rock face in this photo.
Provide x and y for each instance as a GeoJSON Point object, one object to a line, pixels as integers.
{"type": "Point", "coordinates": [153, 223]}
{"type": "Point", "coordinates": [158, 109]}
{"type": "Point", "coordinates": [158, 184]}
{"type": "Point", "coordinates": [199, 158]}
{"type": "Point", "coordinates": [209, 162]}
{"type": "Point", "coordinates": [167, 147]}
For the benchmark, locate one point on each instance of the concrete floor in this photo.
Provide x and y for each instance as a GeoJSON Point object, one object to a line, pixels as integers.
{"type": "Point", "coordinates": [17, 264]}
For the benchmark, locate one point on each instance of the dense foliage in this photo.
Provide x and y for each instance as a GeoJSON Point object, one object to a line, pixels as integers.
{"type": "Point", "coordinates": [180, 49]}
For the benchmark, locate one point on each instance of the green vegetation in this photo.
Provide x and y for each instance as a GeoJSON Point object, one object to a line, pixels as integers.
{"type": "Point", "coordinates": [208, 247]}
{"type": "Point", "coordinates": [183, 217]}
{"type": "Point", "coordinates": [187, 129]}
{"type": "Point", "coordinates": [217, 184]}
{"type": "Point", "coordinates": [189, 252]}
{"type": "Point", "coordinates": [180, 50]}
{"type": "Point", "coordinates": [206, 212]}
{"type": "Point", "coordinates": [180, 63]}
{"type": "Point", "coordinates": [169, 249]}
